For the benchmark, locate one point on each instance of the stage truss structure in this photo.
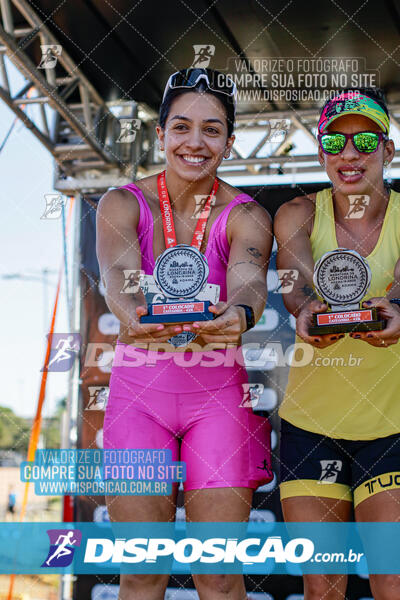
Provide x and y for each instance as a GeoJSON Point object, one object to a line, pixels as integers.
{"type": "Point", "coordinates": [84, 134]}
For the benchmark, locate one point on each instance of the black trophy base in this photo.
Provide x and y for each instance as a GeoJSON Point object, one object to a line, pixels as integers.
{"type": "Point", "coordinates": [346, 321]}
{"type": "Point", "coordinates": [178, 312]}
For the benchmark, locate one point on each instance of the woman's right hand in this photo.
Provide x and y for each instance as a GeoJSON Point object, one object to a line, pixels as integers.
{"type": "Point", "coordinates": [305, 321]}
{"type": "Point", "coordinates": [150, 332]}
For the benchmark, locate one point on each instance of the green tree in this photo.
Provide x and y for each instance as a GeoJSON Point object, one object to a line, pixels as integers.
{"type": "Point", "coordinates": [14, 431]}
{"type": "Point", "coordinates": [51, 428]}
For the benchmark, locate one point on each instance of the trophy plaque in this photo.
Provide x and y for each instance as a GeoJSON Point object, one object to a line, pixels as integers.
{"type": "Point", "coordinates": [180, 274]}
{"type": "Point", "coordinates": [181, 271]}
{"type": "Point", "coordinates": [342, 278]}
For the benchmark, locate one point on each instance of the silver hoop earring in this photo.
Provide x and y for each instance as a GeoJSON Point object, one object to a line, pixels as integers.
{"type": "Point", "coordinates": [385, 163]}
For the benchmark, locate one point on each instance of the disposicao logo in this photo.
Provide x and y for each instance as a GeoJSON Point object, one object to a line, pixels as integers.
{"type": "Point", "coordinates": [62, 547]}
{"type": "Point", "coordinates": [188, 550]}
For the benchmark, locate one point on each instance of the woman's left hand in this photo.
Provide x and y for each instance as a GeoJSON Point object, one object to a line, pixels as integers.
{"type": "Point", "coordinates": [228, 325]}
{"type": "Point", "coordinates": [388, 336]}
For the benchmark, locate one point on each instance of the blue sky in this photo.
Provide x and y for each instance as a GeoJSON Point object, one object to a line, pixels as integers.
{"type": "Point", "coordinates": [27, 245]}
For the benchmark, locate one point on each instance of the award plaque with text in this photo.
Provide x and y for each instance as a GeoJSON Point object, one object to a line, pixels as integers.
{"type": "Point", "coordinates": [181, 275]}
{"type": "Point", "coordinates": [181, 271]}
{"type": "Point", "coordinates": [342, 278]}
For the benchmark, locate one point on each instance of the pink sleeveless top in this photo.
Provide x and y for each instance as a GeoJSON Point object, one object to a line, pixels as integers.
{"type": "Point", "coordinates": [217, 251]}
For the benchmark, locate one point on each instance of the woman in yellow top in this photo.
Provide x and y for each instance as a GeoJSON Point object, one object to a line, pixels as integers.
{"type": "Point", "coordinates": [340, 434]}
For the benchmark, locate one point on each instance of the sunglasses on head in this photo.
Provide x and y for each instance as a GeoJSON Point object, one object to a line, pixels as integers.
{"type": "Point", "coordinates": [365, 142]}
{"type": "Point", "coordinates": [189, 78]}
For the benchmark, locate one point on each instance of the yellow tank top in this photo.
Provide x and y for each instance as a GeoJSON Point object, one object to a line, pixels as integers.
{"type": "Point", "coordinates": [349, 390]}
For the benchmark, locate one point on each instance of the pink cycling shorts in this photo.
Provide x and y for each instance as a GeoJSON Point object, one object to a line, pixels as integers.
{"type": "Point", "coordinates": [192, 405]}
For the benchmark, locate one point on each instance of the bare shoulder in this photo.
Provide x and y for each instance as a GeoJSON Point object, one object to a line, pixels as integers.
{"type": "Point", "coordinates": [126, 200]}
{"type": "Point", "coordinates": [227, 191]}
{"type": "Point", "coordinates": [230, 192]}
{"type": "Point", "coordinates": [251, 220]}
{"type": "Point", "coordinates": [148, 186]}
{"type": "Point", "coordinates": [251, 213]}
{"type": "Point", "coordinates": [301, 205]}
{"type": "Point", "coordinates": [119, 207]}
{"type": "Point", "coordinates": [295, 214]}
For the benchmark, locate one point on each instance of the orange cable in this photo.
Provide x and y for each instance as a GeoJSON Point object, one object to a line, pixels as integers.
{"type": "Point", "coordinates": [35, 432]}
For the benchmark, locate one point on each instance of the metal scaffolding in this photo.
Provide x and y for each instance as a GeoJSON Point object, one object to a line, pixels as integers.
{"type": "Point", "coordinates": [85, 133]}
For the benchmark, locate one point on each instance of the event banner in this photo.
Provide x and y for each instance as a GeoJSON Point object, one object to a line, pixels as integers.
{"type": "Point", "coordinates": [249, 548]}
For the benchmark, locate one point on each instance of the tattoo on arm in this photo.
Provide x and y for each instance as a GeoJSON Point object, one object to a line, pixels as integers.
{"type": "Point", "coordinates": [254, 252]}
{"type": "Point", "coordinates": [235, 265]}
{"type": "Point", "coordinates": [244, 262]}
{"type": "Point", "coordinates": [251, 262]}
{"type": "Point", "coordinates": [308, 291]}
{"type": "Point", "coordinates": [249, 205]}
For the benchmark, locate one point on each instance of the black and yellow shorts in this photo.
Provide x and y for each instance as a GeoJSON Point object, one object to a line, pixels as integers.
{"type": "Point", "coordinates": [316, 465]}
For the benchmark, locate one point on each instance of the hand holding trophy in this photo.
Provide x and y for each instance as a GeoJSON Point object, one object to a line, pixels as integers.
{"type": "Point", "coordinates": [342, 278]}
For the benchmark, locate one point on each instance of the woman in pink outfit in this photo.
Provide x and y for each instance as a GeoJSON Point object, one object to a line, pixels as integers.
{"type": "Point", "coordinates": [196, 411]}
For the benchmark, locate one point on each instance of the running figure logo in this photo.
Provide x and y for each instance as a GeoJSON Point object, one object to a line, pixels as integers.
{"type": "Point", "coordinates": [50, 54]}
{"type": "Point", "coordinates": [330, 469]}
{"type": "Point", "coordinates": [266, 467]}
{"type": "Point", "coordinates": [64, 348]}
{"type": "Point", "coordinates": [129, 129]}
{"type": "Point", "coordinates": [287, 277]}
{"type": "Point", "coordinates": [132, 281]}
{"type": "Point", "coordinates": [357, 206]}
{"type": "Point", "coordinates": [200, 200]}
{"type": "Point", "coordinates": [278, 130]}
{"type": "Point", "coordinates": [54, 204]}
{"type": "Point", "coordinates": [98, 397]}
{"type": "Point", "coordinates": [251, 394]}
{"type": "Point", "coordinates": [62, 547]}
{"type": "Point", "coordinates": [202, 55]}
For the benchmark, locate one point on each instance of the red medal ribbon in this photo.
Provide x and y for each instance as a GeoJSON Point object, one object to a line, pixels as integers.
{"type": "Point", "coordinates": [168, 221]}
